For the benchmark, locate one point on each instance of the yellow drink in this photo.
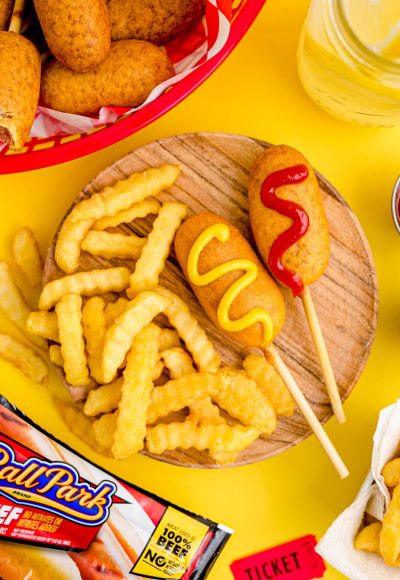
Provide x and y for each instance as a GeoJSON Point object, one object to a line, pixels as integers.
{"type": "Point", "coordinates": [349, 59]}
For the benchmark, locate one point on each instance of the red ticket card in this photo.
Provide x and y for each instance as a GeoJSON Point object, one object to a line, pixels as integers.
{"type": "Point", "coordinates": [297, 560]}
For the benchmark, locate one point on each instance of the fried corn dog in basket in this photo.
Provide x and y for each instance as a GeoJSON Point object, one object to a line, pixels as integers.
{"type": "Point", "coordinates": [159, 21]}
{"type": "Point", "coordinates": [6, 7]}
{"type": "Point", "coordinates": [241, 298]}
{"type": "Point", "coordinates": [78, 32]}
{"type": "Point", "coordinates": [131, 70]}
{"type": "Point", "coordinates": [291, 233]}
{"type": "Point", "coordinates": [19, 83]}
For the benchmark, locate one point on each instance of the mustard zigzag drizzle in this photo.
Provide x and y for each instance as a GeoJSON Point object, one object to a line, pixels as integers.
{"type": "Point", "coordinates": [221, 233]}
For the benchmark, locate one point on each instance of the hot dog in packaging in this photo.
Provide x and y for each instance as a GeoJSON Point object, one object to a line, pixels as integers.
{"type": "Point", "coordinates": [61, 517]}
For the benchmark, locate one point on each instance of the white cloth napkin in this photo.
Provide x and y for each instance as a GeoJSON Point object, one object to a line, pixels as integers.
{"type": "Point", "coordinates": [337, 545]}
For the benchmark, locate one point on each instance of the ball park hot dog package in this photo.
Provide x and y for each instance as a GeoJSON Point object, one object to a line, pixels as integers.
{"type": "Point", "coordinates": [61, 517]}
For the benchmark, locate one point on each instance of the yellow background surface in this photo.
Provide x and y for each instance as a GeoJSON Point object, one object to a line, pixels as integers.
{"type": "Point", "coordinates": [255, 92]}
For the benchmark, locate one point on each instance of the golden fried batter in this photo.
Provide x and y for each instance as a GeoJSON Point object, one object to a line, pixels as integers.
{"type": "Point", "coordinates": [19, 88]}
{"type": "Point", "coordinates": [310, 255]}
{"type": "Point", "coordinates": [158, 21]}
{"type": "Point", "coordinates": [125, 79]}
{"type": "Point", "coordinates": [6, 7]}
{"type": "Point", "coordinates": [77, 31]}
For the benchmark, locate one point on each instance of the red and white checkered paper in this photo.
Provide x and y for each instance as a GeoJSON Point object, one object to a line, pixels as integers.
{"type": "Point", "coordinates": [187, 53]}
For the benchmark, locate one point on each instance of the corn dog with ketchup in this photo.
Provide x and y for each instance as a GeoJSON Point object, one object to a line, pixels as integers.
{"type": "Point", "coordinates": [291, 232]}
{"type": "Point", "coordinates": [240, 297]}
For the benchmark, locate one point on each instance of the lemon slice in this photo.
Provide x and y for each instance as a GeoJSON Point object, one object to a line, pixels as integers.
{"type": "Point", "coordinates": [389, 48]}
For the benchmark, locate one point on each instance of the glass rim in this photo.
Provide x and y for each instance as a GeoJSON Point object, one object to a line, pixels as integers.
{"type": "Point", "coordinates": [395, 204]}
{"type": "Point", "coordinates": [370, 57]}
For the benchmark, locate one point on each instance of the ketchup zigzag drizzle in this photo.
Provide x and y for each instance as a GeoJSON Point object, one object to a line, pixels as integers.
{"type": "Point", "coordinates": [287, 176]}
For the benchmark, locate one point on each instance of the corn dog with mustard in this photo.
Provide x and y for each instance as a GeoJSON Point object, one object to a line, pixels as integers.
{"type": "Point", "coordinates": [78, 32]}
{"type": "Point", "coordinates": [291, 232]}
{"type": "Point", "coordinates": [207, 245]}
{"type": "Point", "coordinates": [240, 297]}
{"type": "Point", "coordinates": [132, 69]}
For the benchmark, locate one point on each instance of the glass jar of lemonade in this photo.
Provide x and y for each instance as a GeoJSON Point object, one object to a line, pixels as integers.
{"type": "Point", "coordinates": [349, 59]}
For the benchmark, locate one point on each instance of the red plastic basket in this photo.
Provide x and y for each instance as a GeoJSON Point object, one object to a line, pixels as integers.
{"type": "Point", "coordinates": [44, 152]}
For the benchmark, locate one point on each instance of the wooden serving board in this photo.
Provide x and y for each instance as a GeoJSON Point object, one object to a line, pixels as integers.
{"type": "Point", "coordinates": [215, 172]}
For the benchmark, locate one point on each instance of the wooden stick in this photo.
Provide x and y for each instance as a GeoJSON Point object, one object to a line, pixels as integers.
{"type": "Point", "coordinates": [16, 17]}
{"type": "Point", "coordinates": [311, 418]}
{"type": "Point", "coordinates": [44, 57]}
{"type": "Point", "coordinates": [323, 356]}
{"type": "Point", "coordinates": [26, 24]}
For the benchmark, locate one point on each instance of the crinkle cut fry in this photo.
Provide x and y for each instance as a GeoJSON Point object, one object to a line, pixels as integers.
{"type": "Point", "coordinates": [126, 192]}
{"type": "Point", "coordinates": [24, 358]}
{"type": "Point", "coordinates": [238, 395]}
{"type": "Point", "coordinates": [367, 540]}
{"type": "Point", "coordinates": [104, 429]}
{"type": "Point", "coordinates": [389, 543]}
{"type": "Point", "coordinates": [155, 252]}
{"type": "Point", "coordinates": [85, 284]}
{"type": "Point", "coordinates": [205, 411]}
{"type": "Point", "coordinates": [270, 384]}
{"type": "Point", "coordinates": [108, 245]}
{"type": "Point", "coordinates": [169, 338]}
{"type": "Point", "coordinates": [69, 317]}
{"type": "Point", "coordinates": [215, 438]}
{"type": "Point", "coordinates": [190, 331]}
{"type": "Point", "coordinates": [69, 242]}
{"type": "Point", "coordinates": [27, 256]}
{"type": "Point", "coordinates": [55, 355]}
{"type": "Point", "coordinates": [108, 202]}
{"type": "Point", "coordinates": [391, 472]}
{"type": "Point", "coordinates": [43, 324]}
{"type": "Point", "coordinates": [94, 330]}
{"type": "Point", "coordinates": [180, 393]}
{"type": "Point", "coordinates": [12, 303]}
{"type": "Point", "coordinates": [115, 309]}
{"type": "Point", "coordinates": [178, 362]}
{"type": "Point", "coordinates": [231, 389]}
{"type": "Point", "coordinates": [136, 390]}
{"type": "Point", "coordinates": [78, 424]}
{"type": "Point", "coordinates": [119, 336]}
{"type": "Point", "coordinates": [126, 216]}
{"type": "Point", "coordinates": [106, 398]}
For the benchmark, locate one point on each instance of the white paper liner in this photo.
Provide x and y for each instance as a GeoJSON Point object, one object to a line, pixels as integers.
{"type": "Point", "coordinates": [337, 545]}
